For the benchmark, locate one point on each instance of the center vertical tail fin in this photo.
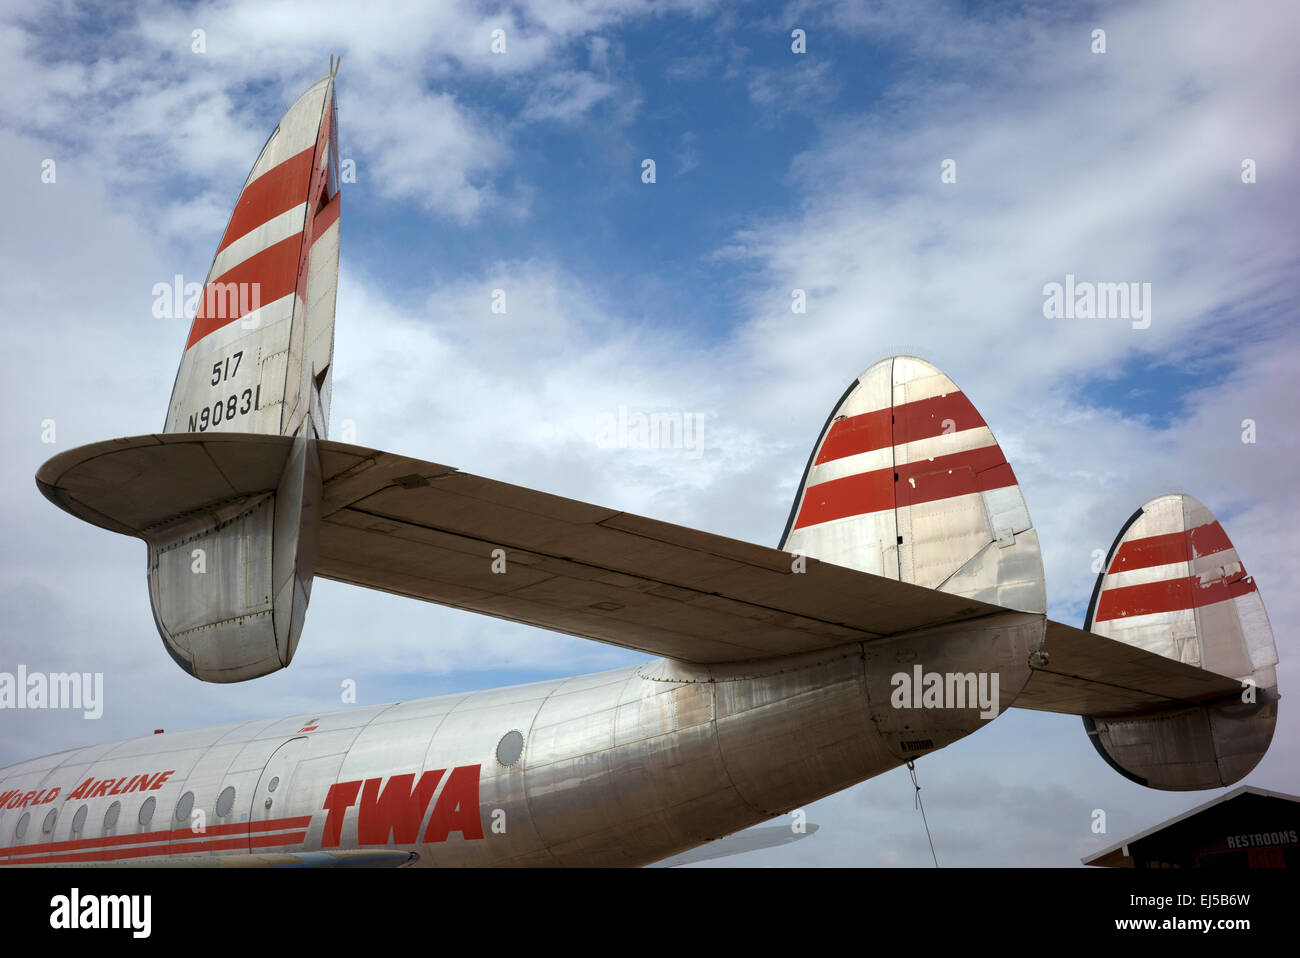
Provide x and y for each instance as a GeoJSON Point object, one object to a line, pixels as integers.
{"type": "Point", "coordinates": [907, 482]}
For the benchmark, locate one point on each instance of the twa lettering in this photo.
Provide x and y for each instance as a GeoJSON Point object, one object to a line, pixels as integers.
{"type": "Point", "coordinates": [395, 811]}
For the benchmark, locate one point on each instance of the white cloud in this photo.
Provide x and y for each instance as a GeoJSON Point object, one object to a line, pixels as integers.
{"type": "Point", "coordinates": [163, 112]}
{"type": "Point", "coordinates": [440, 154]}
{"type": "Point", "coordinates": [801, 86]}
{"type": "Point", "coordinates": [566, 97]}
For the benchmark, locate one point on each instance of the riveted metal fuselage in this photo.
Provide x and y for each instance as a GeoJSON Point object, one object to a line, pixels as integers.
{"type": "Point", "coordinates": [617, 768]}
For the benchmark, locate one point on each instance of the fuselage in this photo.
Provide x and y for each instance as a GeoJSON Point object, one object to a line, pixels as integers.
{"type": "Point", "coordinates": [616, 768]}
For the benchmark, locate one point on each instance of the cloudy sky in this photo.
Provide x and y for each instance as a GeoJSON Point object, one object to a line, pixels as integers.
{"type": "Point", "coordinates": [774, 171]}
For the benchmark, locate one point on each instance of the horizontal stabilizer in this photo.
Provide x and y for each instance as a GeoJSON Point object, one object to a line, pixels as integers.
{"type": "Point", "coordinates": [1089, 674]}
{"type": "Point", "coordinates": [430, 532]}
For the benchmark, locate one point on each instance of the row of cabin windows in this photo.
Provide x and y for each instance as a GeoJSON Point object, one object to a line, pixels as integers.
{"type": "Point", "coordinates": [225, 802]}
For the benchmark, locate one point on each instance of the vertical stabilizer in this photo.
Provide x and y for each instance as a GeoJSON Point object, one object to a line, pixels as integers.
{"type": "Point", "coordinates": [1175, 585]}
{"type": "Point", "coordinates": [230, 587]}
{"type": "Point", "coordinates": [907, 482]}
{"type": "Point", "coordinates": [257, 357]}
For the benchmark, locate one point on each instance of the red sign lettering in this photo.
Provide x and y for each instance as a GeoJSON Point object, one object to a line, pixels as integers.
{"type": "Point", "coordinates": [457, 808]}
{"type": "Point", "coordinates": [392, 811]}
{"type": "Point", "coordinates": [397, 810]}
{"type": "Point", "coordinates": [337, 801]}
{"type": "Point", "coordinates": [95, 788]}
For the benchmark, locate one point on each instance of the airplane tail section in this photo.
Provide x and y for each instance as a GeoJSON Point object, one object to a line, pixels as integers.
{"type": "Point", "coordinates": [906, 481]}
{"type": "Point", "coordinates": [230, 582]}
{"type": "Point", "coordinates": [914, 538]}
{"type": "Point", "coordinates": [1174, 585]}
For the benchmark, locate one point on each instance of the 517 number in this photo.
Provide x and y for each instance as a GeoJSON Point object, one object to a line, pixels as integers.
{"type": "Point", "coordinates": [222, 371]}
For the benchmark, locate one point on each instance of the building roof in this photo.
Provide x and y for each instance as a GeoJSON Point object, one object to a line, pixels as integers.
{"type": "Point", "coordinates": [1115, 854]}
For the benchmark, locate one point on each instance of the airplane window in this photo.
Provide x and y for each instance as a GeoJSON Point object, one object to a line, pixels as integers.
{"type": "Point", "coordinates": [273, 784]}
{"type": "Point", "coordinates": [49, 821]}
{"type": "Point", "coordinates": [79, 819]}
{"type": "Point", "coordinates": [146, 810]}
{"type": "Point", "coordinates": [510, 747]}
{"type": "Point", "coordinates": [110, 816]}
{"type": "Point", "coordinates": [184, 806]}
{"type": "Point", "coordinates": [21, 829]}
{"type": "Point", "coordinates": [225, 801]}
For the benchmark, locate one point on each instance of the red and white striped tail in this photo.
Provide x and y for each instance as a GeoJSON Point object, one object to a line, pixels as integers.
{"type": "Point", "coordinates": [1175, 585]}
{"type": "Point", "coordinates": [259, 351]}
{"type": "Point", "coordinates": [257, 360]}
{"type": "Point", "coordinates": [907, 481]}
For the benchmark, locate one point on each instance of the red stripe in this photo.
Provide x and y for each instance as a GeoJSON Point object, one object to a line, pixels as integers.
{"type": "Point", "coordinates": [319, 180]}
{"type": "Point", "coordinates": [973, 470]}
{"type": "Point", "coordinates": [848, 437]}
{"type": "Point", "coordinates": [327, 217]}
{"type": "Point", "coordinates": [927, 418]}
{"type": "Point", "coordinates": [159, 851]}
{"type": "Point", "coordinates": [896, 425]}
{"type": "Point", "coordinates": [281, 268]}
{"type": "Point", "coordinates": [274, 270]}
{"type": "Point", "coordinates": [279, 189]}
{"type": "Point", "coordinates": [1208, 539]}
{"type": "Point", "coordinates": [1170, 595]}
{"type": "Point", "coordinates": [1170, 547]}
{"type": "Point", "coordinates": [850, 496]}
{"type": "Point", "coordinates": [180, 834]}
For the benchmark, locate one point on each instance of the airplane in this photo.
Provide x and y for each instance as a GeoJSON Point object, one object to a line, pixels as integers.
{"type": "Point", "coordinates": [903, 609]}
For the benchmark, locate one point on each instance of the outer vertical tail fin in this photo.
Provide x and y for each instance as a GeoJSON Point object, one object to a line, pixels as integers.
{"type": "Point", "coordinates": [1174, 585]}
{"type": "Point", "coordinates": [230, 584]}
{"type": "Point", "coordinates": [257, 358]}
